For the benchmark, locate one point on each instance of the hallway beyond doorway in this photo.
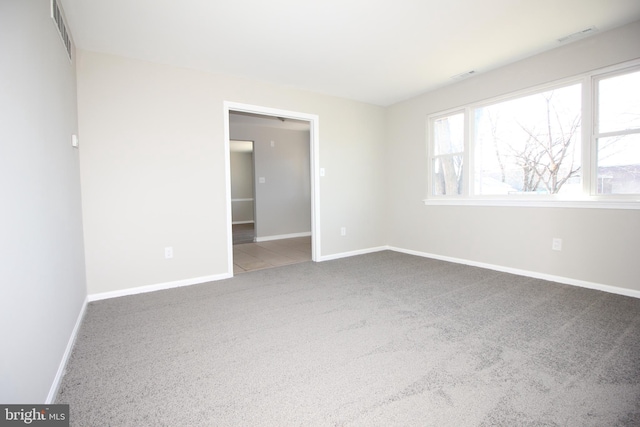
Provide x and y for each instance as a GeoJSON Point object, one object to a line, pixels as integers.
{"type": "Point", "coordinates": [273, 253]}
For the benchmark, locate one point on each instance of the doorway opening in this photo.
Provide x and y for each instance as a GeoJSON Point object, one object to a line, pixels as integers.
{"type": "Point", "coordinates": [242, 191]}
{"type": "Point", "coordinates": [283, 207]}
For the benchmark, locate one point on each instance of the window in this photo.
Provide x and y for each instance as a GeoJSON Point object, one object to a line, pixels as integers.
{"type": "Point", "coordinates": [578, 140]}
{"type": "Point", "coordinates": [617, 134]}
{"type": "Point", "coordinates": [529, 145]}
{"type": "Point", "coordinates": [448, 151]}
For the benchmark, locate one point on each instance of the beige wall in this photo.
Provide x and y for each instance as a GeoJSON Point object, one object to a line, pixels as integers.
{"type": "Point", "coordinates": [42, 281]}
{"type": "Point", "coordinates": [153, 169]}
{"type": "Point", "coordinates": [599, 246]}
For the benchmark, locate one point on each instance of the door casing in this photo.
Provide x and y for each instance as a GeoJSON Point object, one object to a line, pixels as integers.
{"type": "Point", "coordinates": [314, 151]}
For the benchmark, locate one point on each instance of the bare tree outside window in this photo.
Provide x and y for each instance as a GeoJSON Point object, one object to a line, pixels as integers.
{"type": "Point", "coordinates": [529, 144]}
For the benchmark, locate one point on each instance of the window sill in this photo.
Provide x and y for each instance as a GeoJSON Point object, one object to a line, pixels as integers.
{"type": "Point", "coordinates": [594, 203]}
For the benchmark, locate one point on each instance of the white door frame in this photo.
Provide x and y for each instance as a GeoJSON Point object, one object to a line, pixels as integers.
{"type": "Point", "coordinates": [315, 169]}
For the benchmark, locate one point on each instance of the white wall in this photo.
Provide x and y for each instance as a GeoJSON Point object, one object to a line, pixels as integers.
{"type": "Point", "coordinates": [42, 283]}
{"type": "Point", "coordinates": [599, 246]}
{"type": "Point", "coordinates": [283, 201]}
{"type": "Point", "coordinates": [153, 172]}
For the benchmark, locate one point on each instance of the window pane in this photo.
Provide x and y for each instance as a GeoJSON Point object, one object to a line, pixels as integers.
{"type": "Point", "coordinates": [447, 175]}
{"type": "Point", "coordinates": [619, 103]}
{"type": "Point", "coordinates": [449, 134]}
{"type": "Point", "coordinates": [530, 144]}
{"type": "Point", "coordinates": [619, 165]}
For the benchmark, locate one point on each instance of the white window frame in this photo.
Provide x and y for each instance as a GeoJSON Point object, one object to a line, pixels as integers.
{"type": "Point", "coordinates": [589, 134]}
{"type": "Point", "coordinates": [595, 133]}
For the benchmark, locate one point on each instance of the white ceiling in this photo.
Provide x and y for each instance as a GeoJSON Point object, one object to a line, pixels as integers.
{"type": "Point", "coordinates": [375, 51]}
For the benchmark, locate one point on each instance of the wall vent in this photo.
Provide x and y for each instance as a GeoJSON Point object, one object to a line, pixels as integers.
{"type": "Point", "coordinates": [58, 17]}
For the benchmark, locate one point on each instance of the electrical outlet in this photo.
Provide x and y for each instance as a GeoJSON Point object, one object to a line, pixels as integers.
{"type": "Point", "coordinates": [343, 231]}
{"type": "Point", "coordinates": [556, 244]}
{"type": "Point", "coordinates": [168, 252]}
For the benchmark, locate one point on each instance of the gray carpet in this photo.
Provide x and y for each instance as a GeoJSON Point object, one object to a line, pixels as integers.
{"type": "Point", "coordinates": [374, 340]}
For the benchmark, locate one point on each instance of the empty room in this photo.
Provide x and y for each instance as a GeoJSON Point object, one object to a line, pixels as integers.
{"type": "Point", "coordinates": [442, 198]}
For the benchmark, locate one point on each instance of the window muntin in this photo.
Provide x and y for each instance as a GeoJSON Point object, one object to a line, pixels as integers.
{"type": "Point", "coordinates": [599, 124]}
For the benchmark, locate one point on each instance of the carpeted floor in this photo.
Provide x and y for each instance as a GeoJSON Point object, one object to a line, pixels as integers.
{"type": "Point", "coordinates": [382, 339]}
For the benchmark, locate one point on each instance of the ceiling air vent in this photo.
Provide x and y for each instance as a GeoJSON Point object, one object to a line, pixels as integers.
{"type": "Point", "coordinates": [58, 18]}
{"type": "Point", "coordinates": [463, 75]}
{"type": "Point", "coordinates": [580, 34]}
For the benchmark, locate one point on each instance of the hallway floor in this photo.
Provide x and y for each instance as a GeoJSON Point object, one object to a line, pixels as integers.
{"type": "Point", "coordinates": [274, 253]}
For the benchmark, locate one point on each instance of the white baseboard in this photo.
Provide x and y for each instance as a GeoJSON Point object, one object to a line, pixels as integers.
{"type": "Point", "coordinates": [158, 287]}
{"type": "Point", "coordinates": [353, 253]}
{"type": "Point", "coordinates": [527, 273]}
{"type": "Point", "coordinates": [282, 236]}
{"type": "Point", "coordinates": [53, 391]}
